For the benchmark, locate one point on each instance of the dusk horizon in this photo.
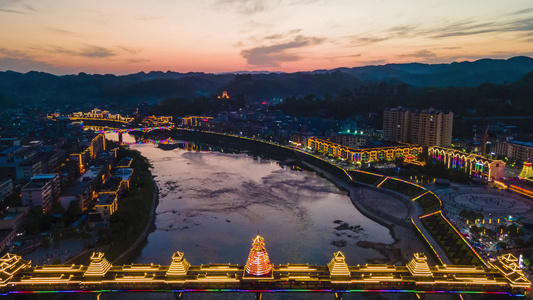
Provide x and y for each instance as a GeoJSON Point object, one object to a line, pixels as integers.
{"type": "Point", "coordinates": [292, 149]}
{"type": "Point", "coordinates": [222, 36]}
{"type": "Point", "coordinates": [271, 71]}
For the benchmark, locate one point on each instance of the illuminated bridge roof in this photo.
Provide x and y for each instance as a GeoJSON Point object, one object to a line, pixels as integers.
{"type": "Point", "coordinates": [501, 277]}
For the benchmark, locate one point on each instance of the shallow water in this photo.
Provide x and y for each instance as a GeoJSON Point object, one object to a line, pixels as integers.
{"type": "Point", "coordinates": [212, 204]}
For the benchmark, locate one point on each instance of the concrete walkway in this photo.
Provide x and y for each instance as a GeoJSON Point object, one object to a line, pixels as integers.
{"type": "Point", "coordinates": [392, 210]}
{"type": "Point", "coordinates": [431, 240]}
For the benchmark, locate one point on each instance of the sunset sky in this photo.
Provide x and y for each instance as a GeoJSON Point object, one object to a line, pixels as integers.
{"type": "Point", "coordinates": [128, 36]}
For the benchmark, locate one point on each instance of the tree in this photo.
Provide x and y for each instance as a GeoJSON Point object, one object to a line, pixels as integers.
{"type": "Point", "coordinates": [86, 236]}
{"type": "Point", "coordinates": [57, 208]}
{"type": "Point", "coordinates": [45, 242]}
{"type": "Point", "coordinates": [56, 236]}
{"type": "Point", "coordinates": [73, 209]}
{"type": "Point", "coordinates": [502, 245]}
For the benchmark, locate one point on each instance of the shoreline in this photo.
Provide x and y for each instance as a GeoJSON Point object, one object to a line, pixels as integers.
{"type": "Point", "coordinates": [148, 228]}
{"type": "Point", "coordinates": [132, 248]}
{"type": "Point", "coordinates": [405, 239]}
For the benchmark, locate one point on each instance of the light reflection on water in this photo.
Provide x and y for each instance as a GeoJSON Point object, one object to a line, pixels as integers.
{"type": "Point", "coordinates": [212, 204]}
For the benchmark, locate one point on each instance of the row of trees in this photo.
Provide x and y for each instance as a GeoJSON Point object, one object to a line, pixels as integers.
{"type": "Point", "coordinates": [133, 213]}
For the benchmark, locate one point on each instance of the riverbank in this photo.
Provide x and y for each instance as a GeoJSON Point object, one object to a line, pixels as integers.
{"type": "Point", "coordinates": [132, 221]}
{"type": "Point", "coordinates": [379, 207]}
{"type": "Point", "coordinates": [148, 228]}
{"type": "Point", "coordinates": [130, 224]}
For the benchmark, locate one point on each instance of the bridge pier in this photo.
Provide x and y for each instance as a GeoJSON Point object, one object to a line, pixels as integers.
{"type": "Point", "coordinates": [178, 295]}
{"type": "Point", "coordinates": [258, 296]}
{"type": "Point", "coordinates": [120, 136]}
{"type": "Point", "coordinates": [338, 296]}
{"type": "Point", "coordinates": [99, 296]}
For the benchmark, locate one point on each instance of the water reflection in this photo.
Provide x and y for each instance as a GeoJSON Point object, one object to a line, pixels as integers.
{"type": "Point", "coordinates": [212, 203]}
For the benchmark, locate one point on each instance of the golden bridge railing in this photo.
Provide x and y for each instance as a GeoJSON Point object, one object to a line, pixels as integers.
{"type": "Point", "coordinates": [503, 276]}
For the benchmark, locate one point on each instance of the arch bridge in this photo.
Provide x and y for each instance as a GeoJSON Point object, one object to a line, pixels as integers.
{"type": "Point", "coordinates": [143, 129]}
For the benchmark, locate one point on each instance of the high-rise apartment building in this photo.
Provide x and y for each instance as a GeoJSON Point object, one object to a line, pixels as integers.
{"type": "Point", "coordinates": [396, 124]}
{"type": "Point", "coordinates": [425, 128]}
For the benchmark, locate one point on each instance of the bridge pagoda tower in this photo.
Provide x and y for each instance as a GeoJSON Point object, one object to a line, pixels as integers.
{"type": "Point", "coordinates": [337, 266]}
{"type": "Point", "coordinates": [418, 266]}
{"type": "Point", "coordinates": [10, 265]}
{"type": "Point", "coordinates": [258, 264]}
{"type": "Point", "coordinates": [179, 265]}
{"type": "Point", "coordinates": [508, 266]}
{"type": "Point", "coordinates": [99, 266]}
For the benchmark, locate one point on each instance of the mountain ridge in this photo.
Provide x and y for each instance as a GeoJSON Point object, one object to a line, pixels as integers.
{"type": "Point", "coordinates": [155, 86]}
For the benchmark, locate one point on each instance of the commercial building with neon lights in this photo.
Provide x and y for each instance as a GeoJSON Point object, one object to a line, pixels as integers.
{"type": "Point", "coordinates": [363, 155]}
{"type": "Point", "coordinates": [474, 165]}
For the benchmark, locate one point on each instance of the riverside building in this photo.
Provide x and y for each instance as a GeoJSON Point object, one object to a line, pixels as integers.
{"type": "Point", "coordinates": [426, 128]}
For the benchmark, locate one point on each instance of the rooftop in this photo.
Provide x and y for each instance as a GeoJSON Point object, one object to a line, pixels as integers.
{"type": "Point", "coordinates": [105, 199]}
{"type": "Point", "coordinates": [111, 185]}
{"type": "Point", "coordinates": [78, 188]}
{"type": "Point", "coordinates": [35, 184]}
{"type": "Point", "coordinates": [528, 144]}
{"type": "Point", "coordinates": [12, 215]}
{"type": "Point", "coordinates": [124, 173]}
{"type": "Point", "coordinates": [126, 161]}
{"type": "Point", "coordinates": [44, 176]}
{"type": "Point", "coordinates": [12, 150]}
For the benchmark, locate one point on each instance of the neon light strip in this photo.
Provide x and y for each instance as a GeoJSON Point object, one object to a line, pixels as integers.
{"type": "Point", "coordinates": [271, 291]}
{"type": "Point", "coordinates": [320, 158]}
{"type": "Point", "coordinates": [440, 202]}
{"type": "Point", "coordinates": [365, 172]}
{"type": "Point", "coordinates": [520, 190]}
{"type": "Point", "coordinates": [405, 181]}
{"type": "Point", "coordinates": [147, 129]}
{"type": "Point", "coordinates": [382, 181]}
{"type": "Point", "coordinates": [499, 183]}
{"type": "Point", "coordinates": [416, 198]}
{"type": "Point", "coordinates": [464, 240]}
{"type": "Point", "coordinates": [428, 215]}
{"type": "Point", "coordinates": [148, 141]}
{"type": "Point", "coordinates": [430, 246]}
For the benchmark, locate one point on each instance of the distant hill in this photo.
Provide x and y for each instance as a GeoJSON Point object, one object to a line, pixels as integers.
{"type": "Point", "coordinates": [155, 86]}
{"type": "Point", "coordinates": [456, 74]}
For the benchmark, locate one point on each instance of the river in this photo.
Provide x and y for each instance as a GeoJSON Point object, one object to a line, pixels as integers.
{"type": "Point", "coordinates": [212, 204]}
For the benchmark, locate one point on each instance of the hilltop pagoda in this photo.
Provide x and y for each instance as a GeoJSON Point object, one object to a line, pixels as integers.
{"type": "Point", "coordinates": [258, 264]}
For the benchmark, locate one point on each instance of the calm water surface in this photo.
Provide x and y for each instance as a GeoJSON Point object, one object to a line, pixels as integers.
{"type": "Point", "coordinates": [212, 204]}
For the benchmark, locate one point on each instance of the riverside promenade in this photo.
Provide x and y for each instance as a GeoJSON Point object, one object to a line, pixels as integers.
{"type": "Point", "coordinates": [392, 210]}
